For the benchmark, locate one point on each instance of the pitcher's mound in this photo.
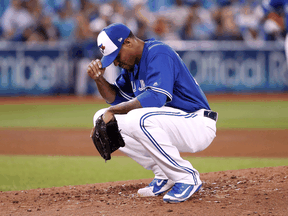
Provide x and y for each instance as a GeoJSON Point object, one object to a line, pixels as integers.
{"type": "Point", "coordinates": [258, 191]}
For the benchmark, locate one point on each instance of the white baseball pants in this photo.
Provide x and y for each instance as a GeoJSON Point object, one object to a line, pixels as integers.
{"type": "Point", "coordinates": [155, 136]}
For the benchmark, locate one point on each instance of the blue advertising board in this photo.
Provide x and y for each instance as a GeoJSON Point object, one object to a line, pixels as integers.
{"type": "Point", "coordinates": [237, 67]}
{"type": "Point", "coordinates": [217, 66]}
{"type": "Point", "coordinates": [34, 70]}
{"type": "Point", "coordinates": [238, 71]}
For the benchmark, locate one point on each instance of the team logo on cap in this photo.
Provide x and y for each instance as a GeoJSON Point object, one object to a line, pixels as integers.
{"type": "Point", "coordinates": [102, 48]}
{"type": "Point", "coordinates": [109, 47]}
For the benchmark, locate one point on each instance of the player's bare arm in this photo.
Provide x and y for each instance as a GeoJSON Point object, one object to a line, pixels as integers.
{"type": "Point", "coordinates": [122, 108]}
{"type": "Point", "coordinates": [96, 72]}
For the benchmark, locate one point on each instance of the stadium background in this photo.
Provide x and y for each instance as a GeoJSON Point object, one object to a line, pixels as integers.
{"type": "Point", "coordinates": [45, 45]}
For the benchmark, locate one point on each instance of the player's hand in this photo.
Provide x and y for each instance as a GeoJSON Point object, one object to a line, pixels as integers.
{"type": "Point", "coordinates": [108, 116]}
{"type": "Point", "coordinates": [95, 69]}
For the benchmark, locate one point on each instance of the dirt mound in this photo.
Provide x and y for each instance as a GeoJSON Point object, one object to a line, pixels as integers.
{"type": "Point", "coordinates": [259, 191]}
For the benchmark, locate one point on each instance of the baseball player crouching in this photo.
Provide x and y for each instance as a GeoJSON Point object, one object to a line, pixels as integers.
{"type": "Point", "coordinates": [159, 107]}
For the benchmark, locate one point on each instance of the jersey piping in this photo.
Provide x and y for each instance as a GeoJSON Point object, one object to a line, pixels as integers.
{"type": "Point", "coordinates": [123, 94]}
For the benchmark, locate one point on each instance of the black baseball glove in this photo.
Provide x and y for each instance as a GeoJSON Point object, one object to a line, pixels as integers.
{"type": "Point", "coordinates": [107, 137]}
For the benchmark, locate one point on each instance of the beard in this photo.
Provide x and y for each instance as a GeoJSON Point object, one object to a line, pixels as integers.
{"type": "Point", "coordinates": [129, 68]}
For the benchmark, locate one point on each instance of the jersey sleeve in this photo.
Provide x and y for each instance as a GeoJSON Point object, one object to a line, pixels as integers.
{"type": "Point", "coordinates": [160, 75]}
{"type": "Point", "coordinates": [150, 98]}
{"type": "Point", "coordinates": [123, 89]}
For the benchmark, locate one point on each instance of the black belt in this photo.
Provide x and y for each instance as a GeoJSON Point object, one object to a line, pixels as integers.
{"type": "Point", "coordinates": [211, 115]}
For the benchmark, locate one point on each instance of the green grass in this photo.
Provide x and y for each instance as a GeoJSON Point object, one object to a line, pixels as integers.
{"type": "Point", "coordinates": [28, 172]}
{"type": "Point", "coordinates": [252, 114]}
{"type": "Point", "coordinates": [48, 116]}
{"type": "Point", "coordinates": [215, 164]}
{"type": "Point", "coordinates": [231, 115]}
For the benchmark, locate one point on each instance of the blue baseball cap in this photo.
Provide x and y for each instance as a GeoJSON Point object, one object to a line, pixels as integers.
{"type": "Point", "coordinates": [110, 41]}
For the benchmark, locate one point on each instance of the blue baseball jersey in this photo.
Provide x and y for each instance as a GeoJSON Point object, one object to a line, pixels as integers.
{"type": "Point", "coordinates": [161, 78]}
{"type": "Point", "coordinates": [276, 5]}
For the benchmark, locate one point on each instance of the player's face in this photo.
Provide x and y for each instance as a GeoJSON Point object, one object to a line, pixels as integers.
{"type": "Point", "coordinates": [125, 59]}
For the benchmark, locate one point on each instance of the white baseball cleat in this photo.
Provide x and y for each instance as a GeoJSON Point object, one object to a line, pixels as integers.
{"type": "Point", "coordinates": [156, 187]}
{"type": "Point", "coordinates": [181, 192]}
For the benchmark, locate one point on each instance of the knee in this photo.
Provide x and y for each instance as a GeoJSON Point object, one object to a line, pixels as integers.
{"type": "Point", "coordinates": [97, 114]}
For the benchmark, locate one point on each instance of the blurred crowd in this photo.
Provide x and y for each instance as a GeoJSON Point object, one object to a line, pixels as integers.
{"type": "Point", "coordinates": [80, 21]}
